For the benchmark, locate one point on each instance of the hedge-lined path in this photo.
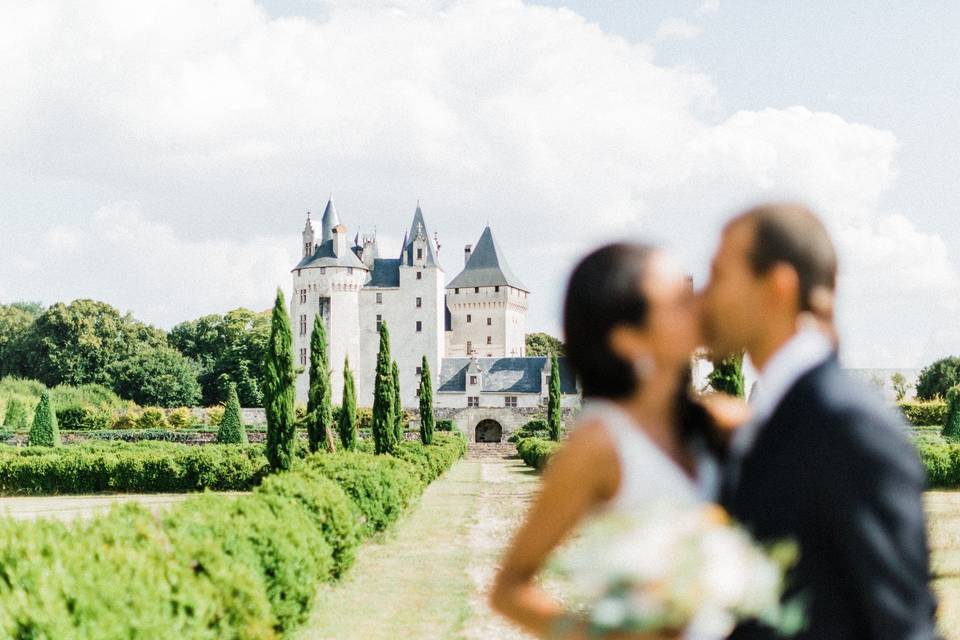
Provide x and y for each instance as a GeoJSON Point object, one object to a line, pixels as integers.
{"type": "Point", "coordinates": [427, 578]}
{"type": "Point", "coordinates": [68, 508]}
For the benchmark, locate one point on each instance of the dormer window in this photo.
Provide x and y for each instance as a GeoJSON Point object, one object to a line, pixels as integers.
{"type": "Point", "coordinates": [419, 254]}
{"type": "Point", "coordinates": [473, 379]}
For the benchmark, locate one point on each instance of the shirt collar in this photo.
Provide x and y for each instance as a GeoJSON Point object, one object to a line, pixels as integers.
{"type": "Point", "coordinates": [807, 348]}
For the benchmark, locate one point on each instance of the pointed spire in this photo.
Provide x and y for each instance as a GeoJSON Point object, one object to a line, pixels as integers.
{"type": "Point", "coordinates": [329, 221]}
{"type": "Point", "coordinates": [309, 225]}
{"type": "Point", "coordinates": [403, 245]}
{"type": "Point", "coordinates": [486, 266]}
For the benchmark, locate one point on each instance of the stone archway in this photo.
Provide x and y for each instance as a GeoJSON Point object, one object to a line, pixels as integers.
{"type": "Point", "coordinates": [488, 431]}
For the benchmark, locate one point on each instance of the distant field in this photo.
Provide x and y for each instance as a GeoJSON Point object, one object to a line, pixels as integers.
{"type": "Point", "coordinates": [943, 508]}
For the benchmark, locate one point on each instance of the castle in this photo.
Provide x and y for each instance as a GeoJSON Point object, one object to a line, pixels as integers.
{"type": "Point", "coordinates": [472, 330]}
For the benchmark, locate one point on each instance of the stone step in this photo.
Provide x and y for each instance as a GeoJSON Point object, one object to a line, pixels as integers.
{"type": "Point", "coordinates": [491, 450]}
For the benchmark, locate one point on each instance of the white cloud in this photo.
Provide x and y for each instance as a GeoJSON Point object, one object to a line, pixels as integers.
{"type": "Point", "coordinates": [226, 125]}
{"type": "Point", "coordinates": [708, 8]}
{"type": "Point", "coordinates": [677, 29]}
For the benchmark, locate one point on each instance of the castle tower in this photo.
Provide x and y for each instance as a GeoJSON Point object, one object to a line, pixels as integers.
{"type": "Point", "coordinates": [407, 293]}
{"type": "Point", "coordinates": [327, 281]}
{"type": "Point", "coordinates": [488, 305]}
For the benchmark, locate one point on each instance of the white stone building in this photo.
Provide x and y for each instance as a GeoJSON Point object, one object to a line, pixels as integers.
{"type": "Point", "coordinates": [472, 331]}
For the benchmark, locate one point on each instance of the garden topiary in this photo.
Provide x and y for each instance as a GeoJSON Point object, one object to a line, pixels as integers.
{"type": "Point", "coordinates": [44, 431]}
{"type": "Point", "coordinates": [951, 429]}
{"type": "Point", "coordinates": [231, 429]}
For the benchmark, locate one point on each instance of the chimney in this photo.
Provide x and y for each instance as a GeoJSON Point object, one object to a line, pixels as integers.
{"type": "Point", "coordinates": [339, 240]}
{"type": "Point", "coordinates": [466, 253]}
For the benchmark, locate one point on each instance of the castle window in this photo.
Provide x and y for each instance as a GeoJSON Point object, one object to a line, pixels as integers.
{"type": "Point", "coordinates": [476, 289]}
{"type": "Point", "coordinates": [419, 371]}
{"type": "Point", "coordinates": [419, 302]}
{"type": "Point", "coordinates": [473, 379]}
{"type": "Point", "coordinates": [510, 401]}
{"type": "Point", "coordinates": [303, 296]}
{"type": "Point", "coordinates": [349, 271]}
{"type": "Point", "coordinates": [303, 325]}
{"type": "Point", "coordinates": [489, 321]}
{"type": "Point", "coordinates": [419, 326]}
{"type": "Point", "coordinates": [419, 254]}
{"type": "Point", "coordinates": [379, 298]}
{"type": "Point", "coordinates": [303, 356]}
{"type": "Point", "coordinates": [419, 275]}
{"type": "Point", "coordinates": [473, 401]}
{"type": "Point", "coordinates": [469, 317]}
{"type": "Point", "coordinates": [379, 320]}
{"type": "Point", "coordinates": [496, 289]}
{"type": "Point", "coordinates": [469, 347]}
{"type": "Point", "coordinates": [456, 290]}
{"type": "Point", "coordinates": [489, 339]}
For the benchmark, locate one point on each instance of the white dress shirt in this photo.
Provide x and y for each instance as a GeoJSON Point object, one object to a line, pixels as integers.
{"type": "Point", "coordinates": [807, 349]}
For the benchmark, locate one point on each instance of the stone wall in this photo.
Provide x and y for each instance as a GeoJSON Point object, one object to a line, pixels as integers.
{"type": "Point", "coordinates": [510, 419]}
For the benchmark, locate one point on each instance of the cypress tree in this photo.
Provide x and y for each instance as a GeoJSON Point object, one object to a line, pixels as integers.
{"type": "Point", "coordinates": [348, 410]}
{"type": "Point", "coordinates": [553, 406]}
{"type": "Point", "coordinates": [426, 403]}
{"type": "Point", "coordinates": [383, 411]}
{"type": "Point", "coordinates": [398, 414]}
{"type": "Point", "coordinates": [278, 389]}
{"type": "Point", "coordinates": [231, 429]}
{"type": "Point", "coordinates": [319, 402]}
{"type": "Point", "coordinates": [951, 430]}
{"type": "Point", "coordinates": [44, 432]}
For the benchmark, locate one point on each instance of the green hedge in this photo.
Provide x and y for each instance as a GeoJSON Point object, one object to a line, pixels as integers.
{"type": "Point", "coordinates": [536, 452]}
{"type": "Point", "coordinates": [923, 414]}
{"type": "Point", "coordinates": [213, 566]}
{"type": "Point", "coordinates": [942, 462]}
{"type": "Point", "coordinates": [142, 467]}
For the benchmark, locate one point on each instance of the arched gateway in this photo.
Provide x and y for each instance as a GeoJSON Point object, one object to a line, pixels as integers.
{"type": "Point", "coordinates": [488, 431]}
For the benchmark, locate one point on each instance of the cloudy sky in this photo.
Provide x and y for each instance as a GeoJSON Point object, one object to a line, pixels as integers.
{"type": "Point", "coordinates": [162, 156]}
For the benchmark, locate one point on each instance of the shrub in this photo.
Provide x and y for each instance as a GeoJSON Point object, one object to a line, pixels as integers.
{"type": "Point", "coordinates": [380, 486]}
{"type": "Point", "coordinates": [17, 415]}
{"type": "Point", "coordinates": [152, 418]}
{"type": "Point", "coordinates": [536, 452]}
{"type": "Point", "coordinates": [180, 418]}
{"type": "Point", "coordinates": [951, 429]}
{"type": "Point", "coordinates": [144, 467]}
{"type": "Point", "coordinates": [942, 463]}
{"type": "Point", "coordinates": [84, 418]}
{"type": "Point", "coordinates": [923, 414]}
{"type": "Point", "coordinates": [446, 425]}
{"type": "Point", "coordinates": [215, 415]}
{"type": "Point", "coordinates": [44, 432]}
{"type": "Point", "coordinates": [330, 509]}
{"type": "Point", "coordinates": [231, 427]}
{"type": "Point", "coordinates": [126, 420]}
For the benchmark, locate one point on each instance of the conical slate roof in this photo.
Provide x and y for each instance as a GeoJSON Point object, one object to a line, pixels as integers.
{"type": "Point", "coordinates": [330, 220]}
{"type": "Point", "coordinates": [407, 256]}
{"type": "Point", "coordinates": [486, 267]}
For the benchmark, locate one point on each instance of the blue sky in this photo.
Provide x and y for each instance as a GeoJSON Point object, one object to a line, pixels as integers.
{"type": "Point", "coordinates": [162, 157]}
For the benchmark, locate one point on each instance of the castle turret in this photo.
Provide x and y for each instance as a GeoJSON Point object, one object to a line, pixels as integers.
{"type": "Point", "coordinates": [488, 305]}
{"type": "Point", "coordinates": [308, 237]}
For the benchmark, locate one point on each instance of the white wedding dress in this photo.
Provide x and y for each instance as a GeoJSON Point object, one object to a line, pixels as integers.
{"type": "Point", "coordinates": [648, 476]}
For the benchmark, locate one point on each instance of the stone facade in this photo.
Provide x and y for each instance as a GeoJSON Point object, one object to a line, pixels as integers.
{"type": "Point", "coordinates": [480, 314]}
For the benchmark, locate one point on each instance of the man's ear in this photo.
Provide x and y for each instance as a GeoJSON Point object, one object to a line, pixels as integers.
{"type": "Point", "coordinates": [785, 285]}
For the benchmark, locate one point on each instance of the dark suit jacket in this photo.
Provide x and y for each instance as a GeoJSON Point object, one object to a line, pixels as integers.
{"type": "Point", "coordinates": [833, 470]}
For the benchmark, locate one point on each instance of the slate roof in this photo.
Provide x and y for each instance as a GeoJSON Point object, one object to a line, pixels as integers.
{"type": "Point", "coordinates": [406, 253]}
{"type": "Point", "coordinates": [324, 256]}
{"type": "Point", "coordinates": [503, 375]}
{"type": "Point", "coordinates": [329, 221]}
{"type": "Point", "coordinates": [386, 273]}
{"type": "Point", "coordinates": [486, 267]}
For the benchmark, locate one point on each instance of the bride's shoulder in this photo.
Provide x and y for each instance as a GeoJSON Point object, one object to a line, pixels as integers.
{"type": "Point", "coordinates": [589, 439]}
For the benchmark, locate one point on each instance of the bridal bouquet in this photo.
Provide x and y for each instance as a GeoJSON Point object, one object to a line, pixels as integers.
{"type": "Point", "coordinates": [675, 570]}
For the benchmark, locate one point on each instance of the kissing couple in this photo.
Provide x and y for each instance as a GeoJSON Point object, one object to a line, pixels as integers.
{"type": "Point", "coordinates": [816, 459]}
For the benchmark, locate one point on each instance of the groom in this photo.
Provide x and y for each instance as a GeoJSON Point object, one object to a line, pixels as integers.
{"type": "Point", "coordinates": [820, 462]}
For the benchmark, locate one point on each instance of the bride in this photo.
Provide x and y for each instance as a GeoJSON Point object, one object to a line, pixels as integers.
{"type": "Point", "coordinates": [630, 327]}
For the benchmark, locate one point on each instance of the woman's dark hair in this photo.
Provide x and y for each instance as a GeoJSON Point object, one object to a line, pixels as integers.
{"type": "Point", "coordinates": [605, 290]}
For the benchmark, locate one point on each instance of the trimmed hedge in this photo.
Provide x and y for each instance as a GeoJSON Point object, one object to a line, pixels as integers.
{"type": "Point", "coordinates": [942, 462]}
{"type": "Point", "coordinates": [244, 567]}
{"type": "Point", "coordinates": [143, 467]}
{"type": "Point", "coordinates": [924, 414]}
{"type": "Point", "coordinates": [536, 452]}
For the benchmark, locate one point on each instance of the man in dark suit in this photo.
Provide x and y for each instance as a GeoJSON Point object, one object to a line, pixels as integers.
{"type": "Point", "coordinates": [821, 462]}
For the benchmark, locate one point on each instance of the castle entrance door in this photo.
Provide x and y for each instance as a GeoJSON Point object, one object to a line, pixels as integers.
{"type": "Point", "coordinates": [489, 431]}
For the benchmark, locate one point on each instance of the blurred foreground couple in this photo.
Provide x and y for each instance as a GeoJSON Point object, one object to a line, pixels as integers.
{"type": "Point", "coordinates": [815, 458]}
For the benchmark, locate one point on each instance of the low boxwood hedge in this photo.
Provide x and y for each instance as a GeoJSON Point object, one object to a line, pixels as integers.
{"type": "Point", "coordinates": [213, 566]}
{"type": "Point", "coordinates": [536, 452]}
{"type": "Point", "coordinates": [923, 414]}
